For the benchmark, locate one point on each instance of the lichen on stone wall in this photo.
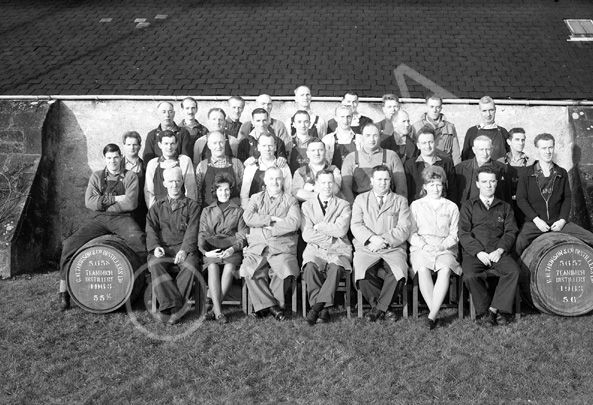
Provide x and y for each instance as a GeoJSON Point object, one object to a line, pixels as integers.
{"type": "Point", "coordinates": [14, 189]}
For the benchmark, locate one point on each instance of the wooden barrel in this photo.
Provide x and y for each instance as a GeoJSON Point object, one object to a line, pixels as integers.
{"type": "Point", "coordinates": [560, 271]}
{"type": "Point", "coordinates": [101, 275]}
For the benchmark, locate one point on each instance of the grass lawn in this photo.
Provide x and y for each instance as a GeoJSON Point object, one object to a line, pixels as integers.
{"type": "Point", "coordinates": [49, 357]}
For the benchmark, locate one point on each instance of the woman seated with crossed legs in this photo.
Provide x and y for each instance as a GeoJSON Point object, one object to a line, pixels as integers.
{"type": "Point", "coordinates": [221, 240]}
{"type": "Point", "coordinates": [433, 241]}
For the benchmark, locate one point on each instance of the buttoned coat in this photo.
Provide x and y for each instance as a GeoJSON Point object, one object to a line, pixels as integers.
{"type": "Point", "coordinates": [392, 222]}
{"type": "Point", "coordinates": [329, 242]}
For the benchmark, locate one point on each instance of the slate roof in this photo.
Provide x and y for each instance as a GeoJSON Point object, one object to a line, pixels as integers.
{"type": "Point", "coordinates": [506, 49]}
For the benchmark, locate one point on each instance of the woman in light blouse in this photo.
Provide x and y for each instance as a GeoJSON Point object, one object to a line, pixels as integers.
{"type": "Point", "coordinates": [433, 242]}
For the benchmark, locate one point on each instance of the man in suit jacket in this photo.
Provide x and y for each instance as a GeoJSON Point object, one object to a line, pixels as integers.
{"type": "Point", "coordinates": [326, 220]}
{"type": "Point", "coordinates": [466, 173]}
{"type": "Point", "coordinates": [487, 231]}
{"type": "Point", "coordinates": [381, 224]}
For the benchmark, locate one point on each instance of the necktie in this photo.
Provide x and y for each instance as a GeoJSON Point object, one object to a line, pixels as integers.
{"type": "Point", "coordinates": [487, 204]}
{"type": "Point", "coordinates": [380, 201]}
{"type": "Point", "coordinates": [324, 205]}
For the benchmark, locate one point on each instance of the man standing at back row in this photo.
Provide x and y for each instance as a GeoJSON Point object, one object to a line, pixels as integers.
{"type": "Point", "coordinates": [302, 97]}
{"type": "Point", "coordinates": [445, 133]}
{"type": "Point", "coordinates": [350, 99]}
{"type": "Point", "coordinates": [543, 194]}
{"type": "Point", "coordinates": [276, 127]}
{"type": "Point", "coordinates": [166, 115]}
{"type": "Point", "coordinates": [488, 128]}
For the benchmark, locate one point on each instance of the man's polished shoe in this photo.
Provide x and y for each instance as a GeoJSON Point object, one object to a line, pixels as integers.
{"type": "Point", "coordinates": [504, 319]}
{"type": "Point", "coordinates": [278, 313]}
{"type": "Point", "coordinates": [311, 317]}
{"type": "Point", "coordinates": [64, 301]}
{"type": "Point", "coordinates": [324, 316]}
{"type": "Point", "coordinates": [374, 314]}
{"type": "Point", "coordinates": [489, 319]}
{"type": "Point", "coordinates": [391, 316]}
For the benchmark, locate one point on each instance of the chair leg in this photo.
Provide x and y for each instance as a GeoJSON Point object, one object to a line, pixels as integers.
{"type": "Point", "coordinates": [200, 292]}
{"type": "Point", "coordinates": [517, 304]}
{"type": "Point", "coordinates": [244, 295]}
{"type": "Point", "coordinates": [295, 309]}
{"type": "Point", "coordinates": [347, 296]}
{"type": "Point", "coordinates": [359, 302]}
{"type": "Point", "coordinates": [460, 297]}
{"type": "Point", "coordinates": [304, 295]}
{"type": "Point", "coordinates": [405, 300]}
{"type": "Point", "coordinates": [415, 297]}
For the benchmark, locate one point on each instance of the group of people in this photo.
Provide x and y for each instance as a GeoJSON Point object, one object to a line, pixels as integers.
{"type": "Point", "coordinates": [349, 197]}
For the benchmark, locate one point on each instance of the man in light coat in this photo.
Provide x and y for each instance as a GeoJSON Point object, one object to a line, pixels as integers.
{"type": "Point", "coordinates": [273, 218]}
{"type": "Point", "coordinates": [327, 257]}
{"type": "Point", "coordinates": [381, 224]}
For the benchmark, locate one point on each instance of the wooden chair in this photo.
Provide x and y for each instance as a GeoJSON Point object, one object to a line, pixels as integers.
{"type": "Point", "coordinates": [294, 295]}
{"type": "Point", "coordinates": [199, 294]}
{"type": "Point", "coordinates": [242, 302]}
{"type": "Point", "coordinates": [344, 286]}
{"type": "Point", "coordinates": [472, 308]}
{"type": "Point", "coordinates": [456, 281]}
{"type": "Point", "coordinates": [403, 304]}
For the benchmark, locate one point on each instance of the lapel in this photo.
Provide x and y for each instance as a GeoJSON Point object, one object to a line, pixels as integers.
{"type": "Point", "coordinates": [387, 202]}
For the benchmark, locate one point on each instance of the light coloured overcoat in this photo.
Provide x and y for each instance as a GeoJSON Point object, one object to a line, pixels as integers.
{"type": "Point", "coordinates": [392, 222]}
{"type": "Point", "coordinates": [329, 242]}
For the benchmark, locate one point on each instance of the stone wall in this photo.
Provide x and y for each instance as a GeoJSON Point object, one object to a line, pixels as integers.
{"type": "Point", "coordinates": [28, 232]}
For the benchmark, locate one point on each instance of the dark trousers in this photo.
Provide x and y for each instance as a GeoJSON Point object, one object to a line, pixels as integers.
{"type": "Point", "coordinates": [379, 287]}
{"type": "Point", "coordinates": [530, 232]}
{"type": "Point", "coordinates": [172, 293]}
{"type": "Point", "coordinates": [475, 274]}
{"type": "Point", "coordinates": [121, 225]}
{"type": "Point", "coordinates": [322, 284]}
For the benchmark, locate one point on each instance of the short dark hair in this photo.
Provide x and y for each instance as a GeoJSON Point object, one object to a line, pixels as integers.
{"type": "Point", "coordinates": [303, 112]}
{"type": "Point", "coordinates": [351, 92]}
{"type": "Point", "coordinates": [259, 111]}
{"type": "Point", "coordinates": [387, 97]}
{"type": "Point", "coordinates": [111, 147]}
{"type": "Point", "coordinates": [514, 131]}
{"type": "Point", "coordinates": [426, 130]}
{"type": "Point", "coordinates": [434, 173]}
{"type": "Point", "coordinates": [216, 109]}
{"type": "Point", "coordinates": [433, 97]}
{"type": "Point", "coordinates": [167, 134]}
{"type": "Point", "coordinates": [316, 140]}
{"type": "Point", "coordinates": [189, 99]}
{"type": "Point", "coordinates": [324, 171]}
{"type": "Point", "coordinates": [485, 169]}
{"type": "Point", "coordinates": [131, 134]}
{"type": "Point", "coordinates": [222, 178]}
{"type": "Point", "coordinates": [544, 137]}
{"type": "Point", "coordinates": [381, 168]}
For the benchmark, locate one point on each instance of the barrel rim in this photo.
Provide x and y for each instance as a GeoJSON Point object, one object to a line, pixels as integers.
{"type": "Point", "coordinates": [129, 288]}
{"type": "Point", "coordinates": [559, 239]}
